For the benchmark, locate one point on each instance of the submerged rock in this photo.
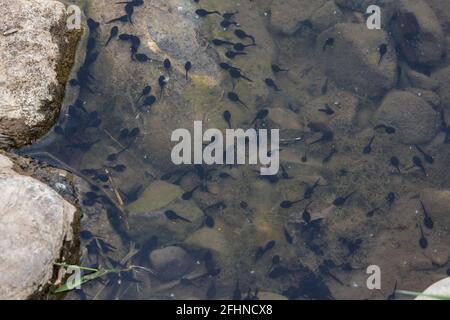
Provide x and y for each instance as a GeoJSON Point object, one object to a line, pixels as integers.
{"type": "Point", "coordinates": [147, 216]}
{"type": "Point", "coordinates": [418, 33]}
{"type": "Point", "coordinates": [443, 78]}
{"type": "Point", "coordinates": [210, 239]}
{"type": "Point", "coordinates": [352, 58]}
{"type": "Point", "coordinates": [37, 227]}
{"type": "Point", "coordinates": [442, 11]}
{"type": "Point", "coordinates": [287, 16]}
{"type": "Point", "coordinates": [414, 119]}
{"type": "Point", "coordinates": [170, 263]}
{"type": "Point", "coordinates": [35, 60]}
{"type": "Point", "coordinates": [326, 16]}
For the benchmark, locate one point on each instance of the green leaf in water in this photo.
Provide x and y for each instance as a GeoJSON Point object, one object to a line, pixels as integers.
{"type": "Point", "coordinates": [69, 286]}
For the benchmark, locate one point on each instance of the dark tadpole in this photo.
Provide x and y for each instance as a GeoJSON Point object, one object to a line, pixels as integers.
{"type": "Point", "coordinates": [387, 129]}
{"type": "Point", "coordinates": [277, 69]}
{"type": "Point", "coordinates": [209, 221]}
{"type": "Point", "coordinates": [141, 57]}
{"type": "Point", "coordinates": [233, 97]}
{"type": "Point", "coordinates": [119, 19]}
{"type": "Point", "coordinates": [220, 42]}
{"type": "Point", "coordinates": [382, 49]}
{"type": "Point", "coordinates": [226, 66]}
{"type": "Point", "coordinates": [241, 47]}
{"type": "Point", "coordinates": [306, 215]}
{"type": "Point", "coordinates": [167, 65]}
{"type": "Point", "coordinates": [340, 201]}
{"type": "Point", "coordinates": [226, 23]}
{"type": "Point", "coordinates": [162, 82]}
{"type": "Point", "coordinates": [328, 43]}
{"type": "Point", "coordinates": [271, 84]}
{"type": "Point", "coordinates": [418, 163]}
{"type": "Point", "coordinates": [427, 220]}
{"type": "Point", "coordinates": [310, 189]}
{"type": "Point", "coordinates": [426, 156]}
{"type": "Point", "coordinates": [229, 15]}
{"type": "Point", "coordinates": [233, 54]}
{"type": "Point", "coordinates": [148, 102]}
{"type": "Point", "coordinates": [189, 194]}
{"type": "Point", "coordinates": [368, 148]}
{"type": "Point", "coordinates": [330, 155]}
{"type": "Point", "coordinates": [372, 212]}
{"type": "Point", "coordinates": [145, 92]}
{"type": "Point", "coordinates": [261, 115]}
{"type": "Point", "coordinates": [284, 173]}
{"type": "Point", "coordinates": [92, 24]}
{"type": "Point", "coordinates": [423, 242]}
{"type": "Point", "coordinates": [327, 136]}
{"type": "Point", "coordinates": [327, 110]}
{"type": "Point", "coordinates": [236, 74]}
{"type": "Point", "coordinates": [390, 199]}
{"type": "Point", "coordinates": [173, 216]}
{"type": "Point", "coordinates": [227, 117]}
{"type": "Point", "coordinates": [288, 204]}
{"type": "Point", "coordinates": [241, 34]}
{"type": "Point", "coordinates": [187, 68]}
{"type": "Point", "coordinates": [129, 10]}
{"type": "Point", "coordinates": [113, 33]}
{"type": "Point", "coordinates": [392, 295]}
{"type": "Point", "coordinates": [203, 13]}
{"type": "Point", "coordinates": [395, 162]}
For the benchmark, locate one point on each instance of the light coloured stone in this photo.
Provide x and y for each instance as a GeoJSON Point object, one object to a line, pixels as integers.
{"type": "Point", "coordinates": [441, 287]}
{"type": "Point", "coordinates": [34, 224]}
{"type": "Point", "coordinates": [29, 56]}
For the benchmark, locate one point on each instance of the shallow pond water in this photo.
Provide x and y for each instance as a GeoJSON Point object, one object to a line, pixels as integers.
{"type": "Point", "coordinates": [240, 236]}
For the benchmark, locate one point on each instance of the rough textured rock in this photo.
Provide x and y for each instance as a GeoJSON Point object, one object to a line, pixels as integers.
{"type": "Point", "coordinates": [343, 104]}
{"type": "Point", "coordinates": [326, 16]}
{"type": "Point", "coordinates": [207, 238]}
{"type": "Point", "coordinates": [442, 11]}
{"type": "Point", "coordinates": [147, 215]}
{"type": "Point", "coordinates": [443, 78]}
{"type": "Point", "coordinates": [420, 80]}
{"type": "Point", "coordinates": [170, 263]}
{"type": "Point", "coordinates": [287, 16]}
{"type": "Point", "coordinates": [37, 227]}
{"type": "Point", "coordinates": [35, 59]}
{"type": "Point", "coordinates": [414, 119]}
{"type": "Point", "coordinates": [417, 31]}
{"type": "Point", "coordinates": [353, 61]}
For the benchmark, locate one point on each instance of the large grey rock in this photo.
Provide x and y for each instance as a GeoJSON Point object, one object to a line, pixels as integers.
{"type": "Point", "coordinates": [170, 263]}
{"type": "Point", "coordinates": [414, 119]}
{"type": "Point", "coordinates": [418, 32]}
{"type": "Point", "coordinates": [35, 225]}
{"type": "Point", "coordinates": [353, 61]}
{"type": "Point", "coordinates": [35, 60]}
